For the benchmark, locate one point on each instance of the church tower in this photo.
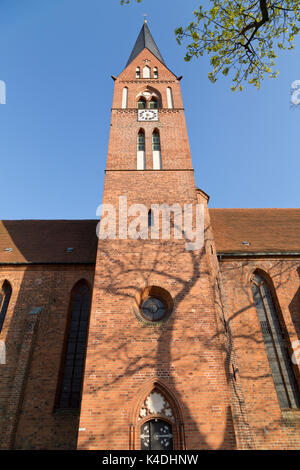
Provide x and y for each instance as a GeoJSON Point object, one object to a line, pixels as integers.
{"type": "Point", "coordinates": [156, 373]}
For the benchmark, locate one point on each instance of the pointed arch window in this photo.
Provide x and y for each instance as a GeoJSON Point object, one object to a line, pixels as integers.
{"type": "Point", "coordinates": [155, 140]}
{"type": "Point", "coordinates": [141, 150]}
{"type": "Point", "coordinates": [75, 348]}
{"type": "Point", "coordinates": [5, 296]}
{"type": "Point", "coordinates": [273, 336]}
{"type": "Point", "coordinates": [155, 72]}
{"type": "Point", "coordinates": [141, 140]}
{"type": "Point", "coordinates": [156, 150]}
{"type": "Point", "coordinates": [153, 104]}
{"type": "Point", "coordinates": [138, 72]}
{"type": "Point", "coordinates": [160, 422]}
{"type": "Point", "coordinates": [141, 103]}
{"type": "Point", "coordinates": [157, 433]}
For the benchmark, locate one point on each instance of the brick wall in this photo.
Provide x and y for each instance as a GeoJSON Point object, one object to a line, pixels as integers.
{"type": "Point", "coordinates": [28, 380]}
{"type": "Point", "coordinates": [271, 427]}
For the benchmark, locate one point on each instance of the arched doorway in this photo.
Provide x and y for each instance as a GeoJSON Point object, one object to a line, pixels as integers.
{"type": "Point", "coordinates": [157, 420]}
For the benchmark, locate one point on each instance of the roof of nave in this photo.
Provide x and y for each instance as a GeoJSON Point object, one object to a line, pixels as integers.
{"type": "Point", "coordinates": [266, 230]}
{"type": "Point", "coordinates": [48, 241]}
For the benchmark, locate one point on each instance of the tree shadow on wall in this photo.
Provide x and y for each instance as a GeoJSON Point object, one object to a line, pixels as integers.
{"type": "Point", "coordinates": [42, 274]}
{"type": "Point", "coordinates": [244, 335]}
{"type": "Point", "coordinates": [122, 277]}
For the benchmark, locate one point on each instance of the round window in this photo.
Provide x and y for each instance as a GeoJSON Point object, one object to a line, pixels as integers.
{"type": "Point", "coordinates": [153, 305]}
{"type": "Point", "coordinates": [153, 309]}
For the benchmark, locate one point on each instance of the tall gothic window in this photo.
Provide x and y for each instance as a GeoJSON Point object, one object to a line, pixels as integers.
{"type": "Point", "coordinates": [156, 150]}
{"type": "Point", "coordinates": [74, 355]}
{"type": "Point", "coordinates": [141, 164]}
{"type": "Point", "coordinates": [141, 140]}
{"type": "Point", "coordinates": [155, 72]}
{"type": "Point", "coordinates": [156, 140]}
{"type": "Point", "coordinates": [138, 72]}
{"type": "Point", "coordinates": [278, 355]}
{"type": "Point", "coordinates": [5, 296]}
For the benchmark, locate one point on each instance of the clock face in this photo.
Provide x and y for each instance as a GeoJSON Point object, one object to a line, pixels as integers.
{"type": "Point", "coordinates": [147, 115]}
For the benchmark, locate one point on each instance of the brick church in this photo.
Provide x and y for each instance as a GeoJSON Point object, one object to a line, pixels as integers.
{"type": "Point", "coordinates": [123, 343]}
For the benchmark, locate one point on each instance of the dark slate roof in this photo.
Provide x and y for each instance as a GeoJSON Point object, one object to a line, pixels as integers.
{"type": "Point", "coordinates": [145, 40]}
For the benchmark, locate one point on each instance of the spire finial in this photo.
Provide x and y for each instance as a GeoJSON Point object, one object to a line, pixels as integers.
{"type": "Point", "coordinates": [145, 17]}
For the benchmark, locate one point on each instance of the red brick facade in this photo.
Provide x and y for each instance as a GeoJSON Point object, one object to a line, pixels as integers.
{"type": "Point", "coordinates": [30, 376]}
{"type": "Point", "coordinates": [207, 359]}
{"type": "Point", "coordinates": [271, 427]}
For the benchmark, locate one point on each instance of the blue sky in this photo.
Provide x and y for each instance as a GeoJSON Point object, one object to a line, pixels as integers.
{"type": "Point", "coordinates": [57, 58]}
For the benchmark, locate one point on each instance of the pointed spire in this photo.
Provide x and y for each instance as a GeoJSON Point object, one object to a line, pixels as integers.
{"type": "Point", "coordinates": [145, 40]}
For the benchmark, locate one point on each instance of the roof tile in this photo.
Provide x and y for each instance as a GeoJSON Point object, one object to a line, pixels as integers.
{"type": "Point", "coordinates": [46, 241]}
{"type": "Point", "coordinates": [267, 230]}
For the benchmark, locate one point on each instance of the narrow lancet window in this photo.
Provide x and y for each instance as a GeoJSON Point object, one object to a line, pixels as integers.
{"type": "Point", "coordinates": [156, 150]}
{"type": "Point", "coordinates": [5, 296]}
{"type": "Point", "coordinates": [170, 98]}
{"type": "Point", "coordinates": [74, 356]}
{"type": "Point", "coordinates": [155, 72]}
{"type": "Point", "coordinates": [141, 150]}
{"type": "Point", "coordinates": [125, 98]}
{"type": "Point", "coordinates": [150, 219]}
{"type": "Point", "coordinates": [138, 73]}
{"type": "Point", "coordinates": [273, 336]}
